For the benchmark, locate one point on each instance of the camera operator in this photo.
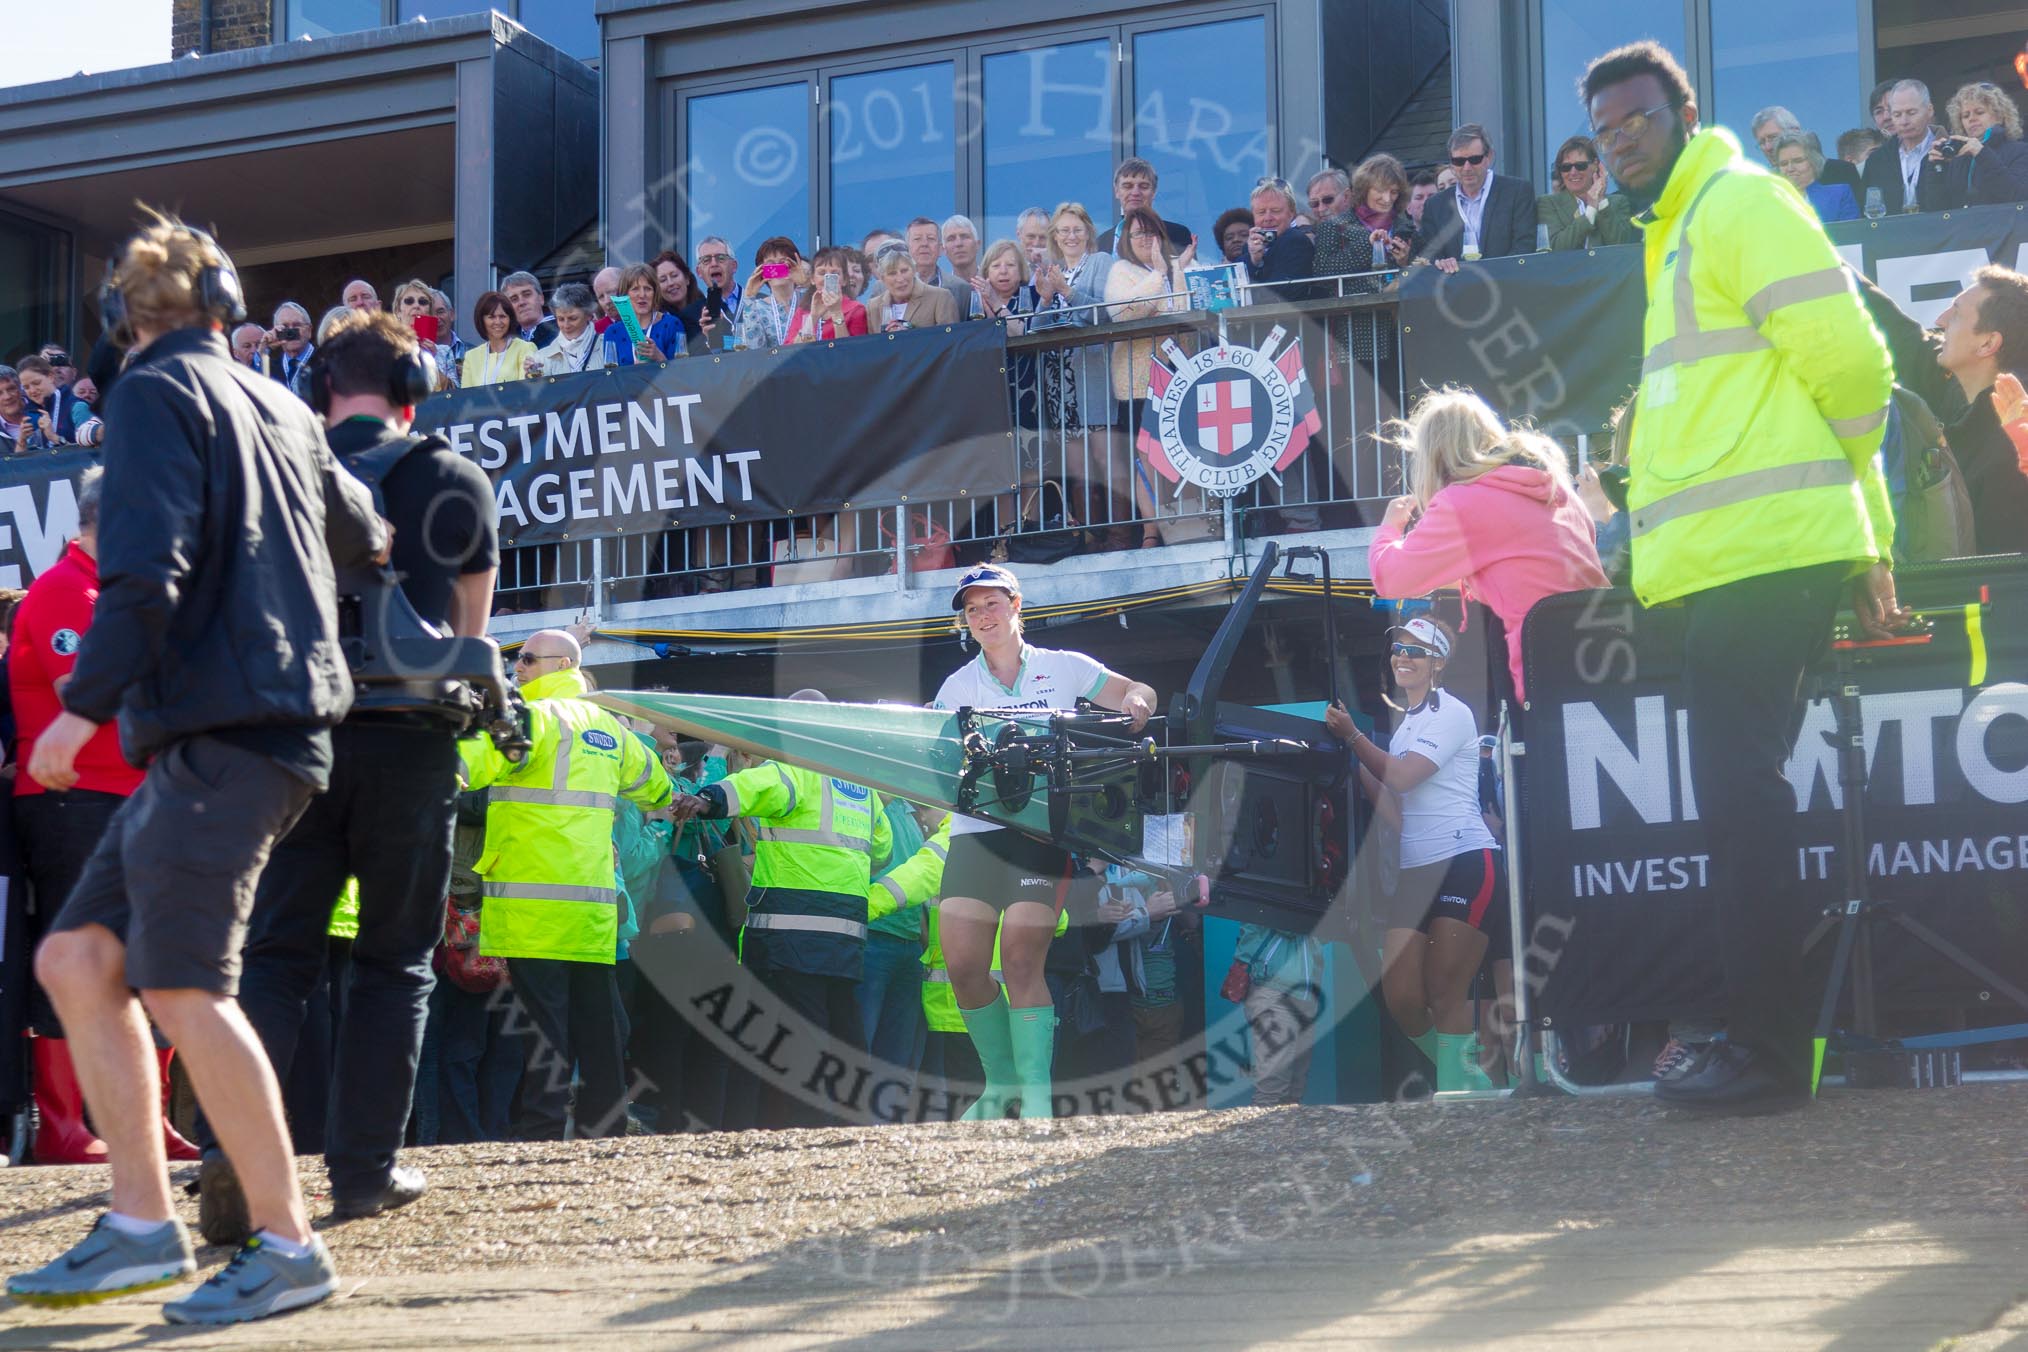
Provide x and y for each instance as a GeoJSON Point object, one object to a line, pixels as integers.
{"type": "Point", "coordinates": [215, 641]}
{"type": "Point", "coordinates": [388, 817]}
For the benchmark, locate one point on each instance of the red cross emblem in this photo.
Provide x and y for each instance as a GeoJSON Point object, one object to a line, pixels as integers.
{"type": "Point", "coordinates": [1225, 416]}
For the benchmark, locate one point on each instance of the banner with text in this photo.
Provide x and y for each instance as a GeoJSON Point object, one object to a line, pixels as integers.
{"type": "Point", "coordinates": [1620, 918]}
{"type": "Point", "coordinates": [1557, 336]}
{"type": "Point", "coordinates": [38, 511]}
{"type": "Point", "coordinates": [818, 427]}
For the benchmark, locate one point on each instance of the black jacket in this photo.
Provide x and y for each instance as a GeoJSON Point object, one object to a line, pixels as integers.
{"type": "Point", "coordinates": [1997, 174]}
{"type": "Point", "coordinates": [1993, 477]}
{"type": "Point", "coordinates": [1292, 256]}
{"type": "Point", "coordinates": [1507, 226]}
{"type": "Point", "coordinates": [223, 514]}
{"type": "Point", "coordinates": [1882, 170]}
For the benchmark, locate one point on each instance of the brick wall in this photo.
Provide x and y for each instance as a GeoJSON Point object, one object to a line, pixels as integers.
{"type": "Point", "coordinates": [234, 24]}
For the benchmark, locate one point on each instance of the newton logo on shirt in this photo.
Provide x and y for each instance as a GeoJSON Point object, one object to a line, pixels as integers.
{"type": "Point", "coordinates": [604, 741]}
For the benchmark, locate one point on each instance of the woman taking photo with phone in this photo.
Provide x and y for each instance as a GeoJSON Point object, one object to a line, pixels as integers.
{"type": "Point", "coordinates": [771, 294]}
{"type": "Point", "coordinates": [1450, 900]}
{"type": "Point", "coordinates": [999, 882]}
{"type": "Point", "coordinates": [826, 311]}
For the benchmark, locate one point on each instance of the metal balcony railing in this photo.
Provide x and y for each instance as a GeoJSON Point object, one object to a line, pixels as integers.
{"type": "Point", "coordinates": [1076, 388]}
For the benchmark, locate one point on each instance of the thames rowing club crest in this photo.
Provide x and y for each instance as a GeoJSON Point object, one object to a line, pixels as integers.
{"type": "Point", "coordinates": [1229, 415]}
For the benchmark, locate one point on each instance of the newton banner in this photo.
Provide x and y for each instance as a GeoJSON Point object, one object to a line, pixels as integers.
{"type": "Point", "coordinates": [818, 427]}
{"type": "Point", "coordinates": [1618, 901]}
{"type": "Point", "coordinates": [1557, 336]}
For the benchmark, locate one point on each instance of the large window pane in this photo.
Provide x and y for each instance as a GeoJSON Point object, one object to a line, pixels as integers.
{"type": "Point", "coordinates": [322, 18]}
{"type": "Point", "coordinates": [1574, 32]}
{"type": "Point", "coordinates": [570, 26]}
{"type": "Point", "coordinates": [1201, 117]}
{"type": "Point", "coordinates": [1801, 54]}
{"type": "Point", "coordinates": [34, 282]}
{"type": "Point", "coordinates": [891, 149]}
{"type": "Point", "coordinates": [1048, 131]}
{"type": "Point", "coordinates": [747, 172]}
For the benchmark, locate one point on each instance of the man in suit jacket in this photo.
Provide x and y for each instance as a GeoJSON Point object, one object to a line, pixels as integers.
{"type": "Point", "coordinates": [288, 359]}
{"type": "Point", "coordinates": [1487, 212]}
{"type": "Point", "coordinates": [1278, 251]}
{"type": "Point", "coordinates": [1902, 169]}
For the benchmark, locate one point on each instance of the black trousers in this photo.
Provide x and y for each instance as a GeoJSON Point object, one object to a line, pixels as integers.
{"type": "Point", "coordinates": [829, 1003]}
{"type": "Point", "coordinates": [579, 1026]}
{"type": "Point", "coordinates": [385, 820]}
{"type": "Point", "coordinates": [56, 833]}
{"type": "Point", "coordinates": [1746, 647]}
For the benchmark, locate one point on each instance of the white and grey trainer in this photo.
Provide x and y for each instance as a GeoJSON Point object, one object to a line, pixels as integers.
{"type": "Point", "coordinates": [107, 1263]}
{"type": "Point", "coordinates": [260, 1280]}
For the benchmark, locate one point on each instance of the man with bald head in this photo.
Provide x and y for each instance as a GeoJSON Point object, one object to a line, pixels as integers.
{"type": "Point", "coordinates": [605, 286]}
{"type": "Point", "coordinates": [551, 902]}
{"type": "Point", "coordinates": [359, 295]}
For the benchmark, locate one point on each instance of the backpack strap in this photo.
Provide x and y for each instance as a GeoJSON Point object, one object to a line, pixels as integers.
{"type": "Point", "coordinates": [372, 466]}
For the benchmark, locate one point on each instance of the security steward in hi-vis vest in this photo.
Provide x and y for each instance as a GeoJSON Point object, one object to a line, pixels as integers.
{"type": "Point", "coordinates": [1756, 502]}
{"type": "Point", "coordinates": [550, 905]}
{"type": "Point", "coordinates": [820, 842]}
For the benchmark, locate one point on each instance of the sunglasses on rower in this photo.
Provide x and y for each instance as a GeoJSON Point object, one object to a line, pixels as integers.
{"type": "Point", "coordinates": [1411, 650]}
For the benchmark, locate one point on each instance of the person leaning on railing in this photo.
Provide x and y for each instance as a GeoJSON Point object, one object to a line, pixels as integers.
{"type": "Point", "coordinates": [1146, 280]}
{"type": "Point", "coordinates": [1578, 211]}
{"type": "Point", "coordinates": [905, 300]}
{"type": "Point", "coordinates": [826, 311]}
{"type": "Point", "coordinates": [577, 346]}
{"type": "Point", "coordinates": [504, 355]}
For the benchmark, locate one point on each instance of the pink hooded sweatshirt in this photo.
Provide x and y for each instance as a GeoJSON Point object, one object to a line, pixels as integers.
{"type": "Point", "coordinates": [1508, 538]}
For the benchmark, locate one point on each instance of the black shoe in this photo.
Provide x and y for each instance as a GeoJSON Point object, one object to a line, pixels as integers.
{"type": "Point", "coordinates": [1728, 1080]}
{"type": "Point", "coordinates": [403, 1186]}
{"type": "Point", "coordinates": [221, 1206]}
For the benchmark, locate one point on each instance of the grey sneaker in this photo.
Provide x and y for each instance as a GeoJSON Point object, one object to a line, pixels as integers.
{"type": "Point", "coordinates": [109, 1263]}
{"type": "Point", "coordinates": [258, 1282]}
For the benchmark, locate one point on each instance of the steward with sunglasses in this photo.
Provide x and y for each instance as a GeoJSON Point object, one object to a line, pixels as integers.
{"type": "Point", "coordinates": [551, 897]}
{"type": "Point", "coordinates": [1578, 210]}
{"type": "Point", "coordinates": [390, 812]}
{"type": "Point", "coordinates": [1757, 505]}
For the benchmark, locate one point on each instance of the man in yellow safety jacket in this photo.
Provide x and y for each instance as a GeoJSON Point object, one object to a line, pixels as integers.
{"type": "Point", "coordinates": [821, 841]}
{"type": "Point", "coordinates": [549, 904]}
{"type": "Point", "coordinates": [1756, 500]}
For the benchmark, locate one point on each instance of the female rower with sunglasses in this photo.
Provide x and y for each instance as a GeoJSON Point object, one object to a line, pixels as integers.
{"type": "Point", "coordinates": [1450, 901]}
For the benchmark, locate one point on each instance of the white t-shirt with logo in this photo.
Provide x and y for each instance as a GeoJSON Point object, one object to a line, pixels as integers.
{"type": "Point", "coordinates": [1050, 678]}
{"type": "Point", "coordinates": [1440, 816]}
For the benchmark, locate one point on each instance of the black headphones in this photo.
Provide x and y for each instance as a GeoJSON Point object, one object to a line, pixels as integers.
{"type": "Point", "coordinates": [218, 292]}
{"type": "Point", "coordinates": [408, 380]}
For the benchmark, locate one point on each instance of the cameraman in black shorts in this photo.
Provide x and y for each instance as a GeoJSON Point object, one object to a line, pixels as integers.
{"type": "Point", "coordinates": [388, 817]}
{"type": "Point", "coordinates": [215, 642]}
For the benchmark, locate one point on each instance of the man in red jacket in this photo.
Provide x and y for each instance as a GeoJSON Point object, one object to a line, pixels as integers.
{"type": "Point", "coordinates": [56, 831]}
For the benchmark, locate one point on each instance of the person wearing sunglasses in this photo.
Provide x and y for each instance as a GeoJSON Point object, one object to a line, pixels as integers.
{"type": "Point", "coordinates": [1578, 211]}
{"type": "Point", "coordinates": [1449, 904]}
{"type": "Point", "coordinates": [1487, 215]}
{"type": "Point", "coordinates": [1757, 509]}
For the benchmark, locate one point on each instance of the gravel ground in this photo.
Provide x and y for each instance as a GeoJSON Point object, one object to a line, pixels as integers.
{"type": "Point", "coordinates": [1179, 1198]}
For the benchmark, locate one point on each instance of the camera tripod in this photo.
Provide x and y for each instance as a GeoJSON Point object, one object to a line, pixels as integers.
{"type": "Point", "coordinates": [1858, 919]}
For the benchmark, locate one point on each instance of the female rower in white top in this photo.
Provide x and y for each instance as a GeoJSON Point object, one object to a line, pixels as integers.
{"type": "Point", "coordinates": [1452, 893]}
{"type": "Point", "coordinates": [995, 871]}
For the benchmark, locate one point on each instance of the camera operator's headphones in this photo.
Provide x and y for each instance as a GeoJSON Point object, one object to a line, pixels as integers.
{"type": "Point", "coordinates": [217, 286]}
{"type": "Point", "coordinates": [408, 380]}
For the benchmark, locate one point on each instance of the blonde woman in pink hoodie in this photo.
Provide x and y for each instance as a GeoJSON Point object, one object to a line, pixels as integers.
{"type": "Point", "coordinates": [1493, 513]}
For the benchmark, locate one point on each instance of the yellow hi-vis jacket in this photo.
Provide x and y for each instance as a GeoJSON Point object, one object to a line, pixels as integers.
{"type": "Point", "coordinates": [1764, 388]}
{"type": "Point", "coordinates": [820, 842]}
{"type": "Point", "coordinates": [547, 867]}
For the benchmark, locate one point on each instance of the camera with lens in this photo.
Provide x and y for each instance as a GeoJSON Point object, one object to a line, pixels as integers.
{"type": "Point", "coordinates": [288, 333]}
{"type": "Point", "coordinates": [402, 664]}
